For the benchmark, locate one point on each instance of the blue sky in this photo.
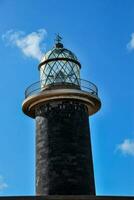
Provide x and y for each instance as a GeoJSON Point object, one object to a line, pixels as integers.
{"type": "Point", "coordinates": [101, 34]}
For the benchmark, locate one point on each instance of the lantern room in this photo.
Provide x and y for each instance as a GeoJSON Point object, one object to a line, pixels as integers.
{"type": "Point", "coordinates": [59, 66]}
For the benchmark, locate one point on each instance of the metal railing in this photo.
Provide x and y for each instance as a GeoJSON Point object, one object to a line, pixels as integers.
{"type": "Point", "coordinates": [83, 85]}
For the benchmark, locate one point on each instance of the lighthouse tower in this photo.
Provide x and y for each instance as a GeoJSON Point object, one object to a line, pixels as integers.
{"type": "Point", "coordinates": [61, 103]}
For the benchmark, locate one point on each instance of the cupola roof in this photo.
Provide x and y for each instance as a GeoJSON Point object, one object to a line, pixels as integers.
{"type": "Point", "coordinates": [59, 53]}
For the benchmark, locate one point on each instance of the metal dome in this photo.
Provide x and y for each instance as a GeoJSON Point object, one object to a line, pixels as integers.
{"type": "Point", "coordinates": [59, 53]}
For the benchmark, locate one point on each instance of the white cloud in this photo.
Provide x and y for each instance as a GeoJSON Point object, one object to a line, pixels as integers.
{"type": "Point", "coordinates": [126, 147]}
{"type": "Point", "coordinates": [3, 184]}
{"type": "Point", "coordinates": [30, 44]}
{"type": "Point", "coordinates": [130, 45]}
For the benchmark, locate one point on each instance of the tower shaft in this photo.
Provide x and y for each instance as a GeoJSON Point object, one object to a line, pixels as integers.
{"type": "Point", "coordinates": [64, 163]}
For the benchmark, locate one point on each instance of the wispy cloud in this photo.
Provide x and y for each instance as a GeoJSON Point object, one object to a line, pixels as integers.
{"type": "Point", "coordinates": [3, 184]}
{"type": "Point", "coordinates": [130, 45]}
{"type": "Point", "coordinates": [30, 44]}
{"type": "Point", "coordinates": [126, 147]}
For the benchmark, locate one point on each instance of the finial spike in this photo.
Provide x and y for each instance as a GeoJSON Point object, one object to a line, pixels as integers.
{"type": "Point", "coordinates": [58, 39]}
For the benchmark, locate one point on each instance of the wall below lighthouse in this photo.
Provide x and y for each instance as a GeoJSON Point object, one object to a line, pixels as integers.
{"type": "Point", "coordinates": [63, 149]}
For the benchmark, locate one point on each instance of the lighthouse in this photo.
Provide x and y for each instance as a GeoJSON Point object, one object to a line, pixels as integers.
{"type": "Point", "coordinates": [61, 104]}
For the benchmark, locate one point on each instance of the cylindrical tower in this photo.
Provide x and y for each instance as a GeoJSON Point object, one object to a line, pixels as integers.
{"type": "Point", "coordinates": [61, 103]}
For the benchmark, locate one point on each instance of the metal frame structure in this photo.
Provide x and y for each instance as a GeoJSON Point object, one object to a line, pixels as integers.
{"type": "Point", "coordinates": [59, 65]}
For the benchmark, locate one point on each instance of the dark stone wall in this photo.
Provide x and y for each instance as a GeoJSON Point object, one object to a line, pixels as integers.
{"type": "Point", "coordinates": [63, 150]}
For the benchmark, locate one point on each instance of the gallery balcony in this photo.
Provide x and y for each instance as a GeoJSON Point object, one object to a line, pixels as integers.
{"type": "Point", "coordinates": [80, 84]}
